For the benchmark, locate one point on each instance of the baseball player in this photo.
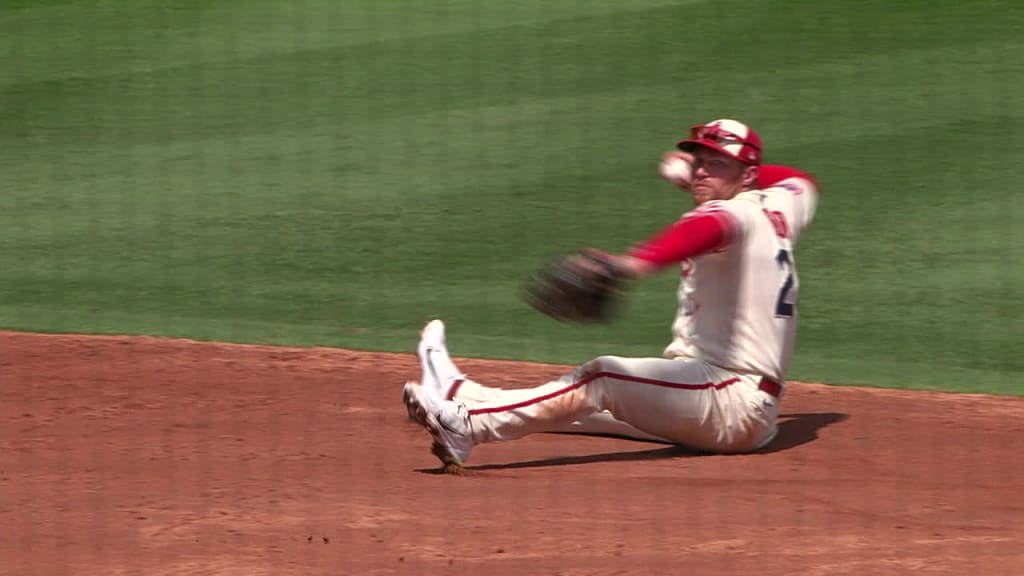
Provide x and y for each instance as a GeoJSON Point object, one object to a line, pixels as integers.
{"type": "Point", "coordinates": [717, 386]}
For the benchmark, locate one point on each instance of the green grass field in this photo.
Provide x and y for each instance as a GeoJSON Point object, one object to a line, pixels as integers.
{"type": "Point", "coordinates": [335, 173]}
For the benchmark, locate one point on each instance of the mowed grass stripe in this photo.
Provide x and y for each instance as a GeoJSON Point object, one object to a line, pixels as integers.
{"type": "Point", "coordinates": [347, 173]}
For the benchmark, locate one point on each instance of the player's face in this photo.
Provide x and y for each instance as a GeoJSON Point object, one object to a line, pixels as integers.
{"type": "Point", "coordinates": [717, 176]}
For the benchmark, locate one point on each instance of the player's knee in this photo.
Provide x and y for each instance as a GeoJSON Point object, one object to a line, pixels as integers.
{"type": "Point", "coordinates": [602, 365]}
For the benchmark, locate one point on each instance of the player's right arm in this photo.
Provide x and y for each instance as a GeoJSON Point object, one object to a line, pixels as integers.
{"type": "Point", "coordinates": [711, 228]}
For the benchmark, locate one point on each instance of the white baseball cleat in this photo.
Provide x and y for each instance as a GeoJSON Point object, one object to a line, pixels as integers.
{"type": "Point", "coordinates": [439, 372]}
{"type": "Point", "coordinates": [447, 422]}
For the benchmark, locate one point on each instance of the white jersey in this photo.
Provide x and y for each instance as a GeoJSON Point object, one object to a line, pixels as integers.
{"type": "Point", "coordinates": [738, 306]}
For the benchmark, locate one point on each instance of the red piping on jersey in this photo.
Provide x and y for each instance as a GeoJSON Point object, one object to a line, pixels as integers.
{"type": "Point", "coordinates": [590, 378]}
{"type": "Point", "coordinates": [697, 233]}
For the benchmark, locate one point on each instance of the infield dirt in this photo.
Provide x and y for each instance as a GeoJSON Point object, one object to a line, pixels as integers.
{"type": "Point", "coordinates": [138, 455]}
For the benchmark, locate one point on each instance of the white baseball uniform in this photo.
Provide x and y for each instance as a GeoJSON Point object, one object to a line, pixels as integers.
{"type": "Point", "coordinates": [718, 385]}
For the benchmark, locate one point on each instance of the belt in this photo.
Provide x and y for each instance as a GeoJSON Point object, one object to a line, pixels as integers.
{"type": "Point", "coordinates": [770, 386]}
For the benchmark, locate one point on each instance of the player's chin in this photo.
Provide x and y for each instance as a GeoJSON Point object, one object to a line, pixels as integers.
{"type": "Point", "coordinates": [700, 195]}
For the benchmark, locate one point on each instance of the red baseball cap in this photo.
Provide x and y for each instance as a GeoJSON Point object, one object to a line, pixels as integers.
{"type": "Point", "coordinates": [729, 137]}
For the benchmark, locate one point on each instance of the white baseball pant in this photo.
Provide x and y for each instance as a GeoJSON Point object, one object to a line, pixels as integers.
{"type": "Point", "coordinates": [680, 401]}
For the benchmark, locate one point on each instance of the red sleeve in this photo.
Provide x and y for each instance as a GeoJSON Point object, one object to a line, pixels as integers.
{"type": "Point", "coordinates": [771, 174]}
{"type": "Point", "coordinates": [694, 235]}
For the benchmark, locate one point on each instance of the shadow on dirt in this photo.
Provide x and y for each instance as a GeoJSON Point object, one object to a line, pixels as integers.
{"type": "Point", "coordinates": [794, 430]}
{"type": "Point", "coordinates": [799, 429]}
{"type": "Point", "coordinates": [631, 456]}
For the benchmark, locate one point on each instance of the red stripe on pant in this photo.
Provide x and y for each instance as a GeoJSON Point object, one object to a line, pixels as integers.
{"type": "Point", "coordinates": [454, 390]}
{"type": "Point", "coordinates": [584, 381]}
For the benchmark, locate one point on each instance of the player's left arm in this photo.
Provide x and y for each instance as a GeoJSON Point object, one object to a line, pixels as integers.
{"type": "Point", "coordinates": [702, 231]}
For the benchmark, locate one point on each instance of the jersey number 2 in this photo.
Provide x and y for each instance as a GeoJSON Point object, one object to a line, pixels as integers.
{"type": "Point", "coordinates": [783, 307]}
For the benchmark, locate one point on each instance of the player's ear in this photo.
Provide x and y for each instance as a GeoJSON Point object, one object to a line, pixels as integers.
{"type": "Point", "coordinates": [750, 177]}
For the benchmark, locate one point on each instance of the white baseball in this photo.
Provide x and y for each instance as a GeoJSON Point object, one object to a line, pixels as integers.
{"type": "Point", "coordinates": [676, 170]}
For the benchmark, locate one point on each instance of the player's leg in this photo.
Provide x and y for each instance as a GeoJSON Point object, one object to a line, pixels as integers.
{"type": "Point", "coordinates": [442, 375]}
{"type": "Point", "coordinates": [604, 424]}
{"type": "Point", "coordinates": [686, 402]}
{"type": "Point", "coordinates": [580, 396]}
{"type": "Point", "coordinates": [440, 372]}
{"type": "Point", "coordinates": [680, 401]}
{"type": "Point", "coordinates": [666, 398]}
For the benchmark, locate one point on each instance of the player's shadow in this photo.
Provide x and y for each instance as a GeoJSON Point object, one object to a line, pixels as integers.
{"type": "Point", "coordinates": [794, 430]}
{"type": "Point", "coordinates": [799, 429]}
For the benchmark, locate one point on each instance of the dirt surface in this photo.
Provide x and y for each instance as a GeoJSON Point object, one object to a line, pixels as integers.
{"type": "Point", "coordinates": [155, 456]}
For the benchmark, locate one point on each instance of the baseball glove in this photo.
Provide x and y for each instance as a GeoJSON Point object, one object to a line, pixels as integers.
{"type": "Point", "coordinates": [580, 287]}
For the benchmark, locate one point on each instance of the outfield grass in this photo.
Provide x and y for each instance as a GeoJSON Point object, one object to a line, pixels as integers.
{"type": "Point", "coordinates": [324, 172]}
